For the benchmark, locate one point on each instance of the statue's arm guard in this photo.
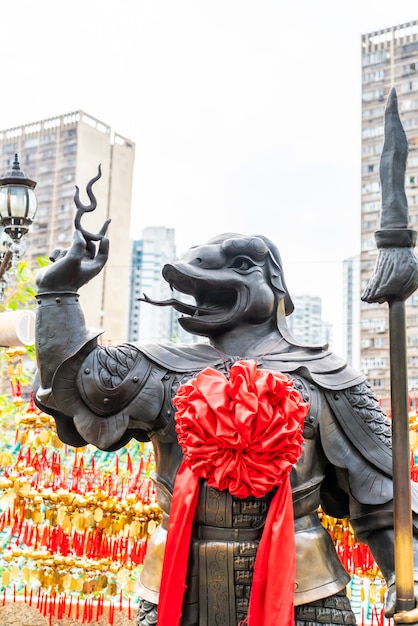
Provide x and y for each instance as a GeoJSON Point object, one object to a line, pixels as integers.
{"type": "Point", "coordinates": [99, 395]}
{"type": "Point", "coordinates": [356, 440]}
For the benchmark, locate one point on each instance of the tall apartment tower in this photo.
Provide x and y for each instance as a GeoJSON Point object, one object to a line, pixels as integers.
{"type": "Point", "coordinates": [389, 59]}
{"type": "Point", "coordinates": [60, 153]}
{"type": "Point", "coordinates": [306, 323]}
{"type": "Point", "coordinates": [148, 323]}
{"type": "Point", "coordinates": [351, 310]}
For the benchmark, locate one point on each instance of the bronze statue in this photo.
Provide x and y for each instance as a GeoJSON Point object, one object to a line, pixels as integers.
{"type": "Point", "coordinates": [181, 398]}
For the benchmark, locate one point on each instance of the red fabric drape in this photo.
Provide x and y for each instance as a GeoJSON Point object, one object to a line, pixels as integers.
{"type": "Point", "coordinates": [273, 587]}
{"type": "Point", "coordinates": [244, 434]}
{"type": "Point", "coordinates": [173, 580]}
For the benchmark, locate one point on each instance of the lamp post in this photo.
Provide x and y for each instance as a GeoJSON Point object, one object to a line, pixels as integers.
{"type": "Point", "coordinates": [17, 211]}
{"type": "Point", "coordinates": [5, 260]}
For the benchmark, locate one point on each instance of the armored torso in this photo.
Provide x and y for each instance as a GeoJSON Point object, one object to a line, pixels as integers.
{"type": "Point", "coordinates": [227, 530]}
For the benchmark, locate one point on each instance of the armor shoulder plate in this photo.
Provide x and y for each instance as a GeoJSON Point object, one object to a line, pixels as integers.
{"type": "Point", "coordinates": [360, 416]}
{"type": "Point", "coordinates": [110, 377]}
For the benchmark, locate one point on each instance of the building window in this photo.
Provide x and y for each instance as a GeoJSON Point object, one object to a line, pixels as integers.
{"type": "Point", "coordinates": [70, 149]}
{"type": "Point", "coordinates": [373, 363]}
{"type": "Point", "coordinates": [376, 382]}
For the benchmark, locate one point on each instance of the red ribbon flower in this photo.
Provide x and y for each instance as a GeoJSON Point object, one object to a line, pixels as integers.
{"type": "Point", "coordinates": [242, 433]}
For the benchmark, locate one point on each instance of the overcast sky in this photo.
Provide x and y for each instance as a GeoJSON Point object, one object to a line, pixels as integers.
{"type": "Point", "coordinates": [245, 113]}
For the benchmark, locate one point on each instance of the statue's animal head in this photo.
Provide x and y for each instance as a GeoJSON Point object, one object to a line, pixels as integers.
{"type": "Point", "coordinates": [234, 279]}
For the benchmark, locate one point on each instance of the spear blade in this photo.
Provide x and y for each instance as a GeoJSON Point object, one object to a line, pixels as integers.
{"type": "Point", "coordinates": [394, 212]}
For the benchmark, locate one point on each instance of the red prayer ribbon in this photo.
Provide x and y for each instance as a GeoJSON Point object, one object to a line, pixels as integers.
{"type": "Point", "coordinates": [244, 434]}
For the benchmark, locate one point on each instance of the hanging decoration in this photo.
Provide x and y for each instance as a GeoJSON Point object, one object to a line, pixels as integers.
{"type": "Point", "coordinates": [74, 523]}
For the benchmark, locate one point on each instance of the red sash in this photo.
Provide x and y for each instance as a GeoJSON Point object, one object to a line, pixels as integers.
{"type": "Point", "coordinates": [244, 434]}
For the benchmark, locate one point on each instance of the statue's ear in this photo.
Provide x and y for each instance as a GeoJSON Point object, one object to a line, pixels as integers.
{"type": "Point", "coordinates": [275, 274]}
{"type": "Point", "coordinates": [278, 283]}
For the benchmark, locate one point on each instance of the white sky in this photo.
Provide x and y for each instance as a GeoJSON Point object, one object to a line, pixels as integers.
{"type": "Point", "coordinates": [245, 113]}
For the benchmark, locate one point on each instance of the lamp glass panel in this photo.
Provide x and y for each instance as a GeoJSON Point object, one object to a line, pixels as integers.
{"type": "Point", "coordinates": [18, 201]}
{"type": "Point", "coordinates": [3, 202]}
{"type": "Point", "coordinates": [32, 204]}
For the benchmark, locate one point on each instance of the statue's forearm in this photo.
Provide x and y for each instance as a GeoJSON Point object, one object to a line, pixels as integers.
{"type": "Point", "coordinates": [60, 332]}
{"type": "Point", "coordinates": [382, 546]}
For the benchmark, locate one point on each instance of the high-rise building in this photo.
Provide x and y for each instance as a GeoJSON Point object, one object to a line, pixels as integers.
{"type": "Point", "coordinates": [389, 59]}
{"type": "Point", "coordinates": [306, 323]}
{"type": "Point", "coordinates": [351, 310]}
{"type": "Point", "coordinates": [60, 153]}
{"type": "Point", "coordinates": [148, 323]}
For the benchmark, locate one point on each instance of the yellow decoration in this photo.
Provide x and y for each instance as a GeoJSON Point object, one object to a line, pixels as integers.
{"type": "Point", "coordinates": [43, 436]}
{"type": "Point", "coordinates": [372, 593]}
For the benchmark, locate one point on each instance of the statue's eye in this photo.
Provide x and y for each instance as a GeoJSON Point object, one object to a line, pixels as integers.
{"type": "Point", "coordinates": [242, 263]}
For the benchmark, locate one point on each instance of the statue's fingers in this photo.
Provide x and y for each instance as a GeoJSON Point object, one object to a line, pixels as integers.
{"type": "Point", "coordinates": [78, 246]}
{"type": "Point", "coordinates": [406, 617]}
{"type": "Point", "coordinates": [90, 250]}
{"type": "Point", "coordinates": [57, 253]}
{"type": "Point", "coordinates": [103, 251]}
{"type": "Point", "coordinates": [94, 266]}
{"type": "Point", "coordinates": [103, 229]}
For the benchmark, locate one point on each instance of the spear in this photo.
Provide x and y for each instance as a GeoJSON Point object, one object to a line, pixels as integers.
{"type": "Point", "coordinates": [395, 278]}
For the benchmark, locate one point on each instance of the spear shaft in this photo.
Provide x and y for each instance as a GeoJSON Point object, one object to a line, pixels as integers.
{"type": "Point", "coordinates": [404, 563]}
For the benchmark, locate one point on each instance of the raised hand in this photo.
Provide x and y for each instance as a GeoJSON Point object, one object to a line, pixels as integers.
{"type": "Point", "coordinates": [72, 268]}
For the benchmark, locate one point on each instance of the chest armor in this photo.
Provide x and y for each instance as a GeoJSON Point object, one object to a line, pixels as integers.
{"type": "Point", "coordinates": [227, 531]}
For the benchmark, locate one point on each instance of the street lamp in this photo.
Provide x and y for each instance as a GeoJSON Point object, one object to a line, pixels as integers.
{"type": "Point", "coordinates": [17, 211]}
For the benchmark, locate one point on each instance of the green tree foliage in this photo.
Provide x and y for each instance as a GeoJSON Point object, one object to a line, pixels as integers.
{"type": "Point", "coordinates": [17, 364]}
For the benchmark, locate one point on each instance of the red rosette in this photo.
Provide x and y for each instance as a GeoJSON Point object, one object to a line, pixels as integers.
{"type": "Point", "coordinates": [242, 433]}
